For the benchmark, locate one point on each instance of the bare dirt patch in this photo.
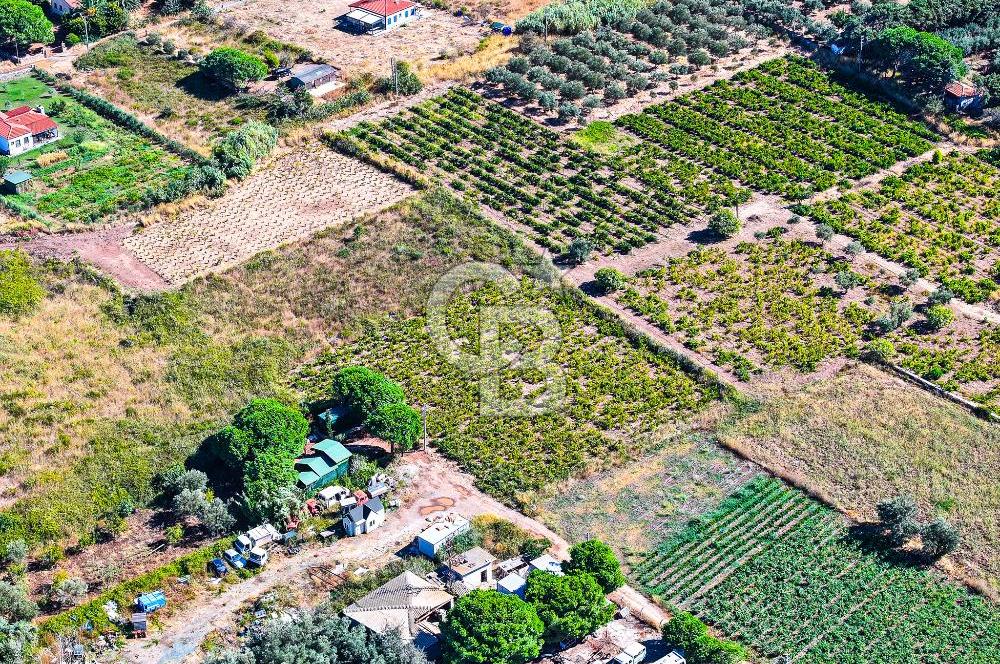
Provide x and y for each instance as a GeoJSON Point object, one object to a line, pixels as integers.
{"type": "Point", "coordinates": [434, 34]}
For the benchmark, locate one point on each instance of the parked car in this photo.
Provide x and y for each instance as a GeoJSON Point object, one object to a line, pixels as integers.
{"type": "Point", "coordinates": [258, 556]}
{"type": "Point", "coordinates": [217, 567]}
{"type": "Point", "coordinates": [234, 558]}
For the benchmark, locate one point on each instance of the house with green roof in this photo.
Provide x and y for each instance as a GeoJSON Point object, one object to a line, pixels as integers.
{"type": "Point", "coordinates": [327, 461]}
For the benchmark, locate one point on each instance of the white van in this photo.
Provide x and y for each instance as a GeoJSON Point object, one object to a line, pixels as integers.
{"type": "Point", "coordinates": [634, 653]}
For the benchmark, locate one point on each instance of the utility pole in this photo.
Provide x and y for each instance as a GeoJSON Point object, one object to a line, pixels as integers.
{"type": "Point", "coordinates": [423, 415]}
{"type": "Point", "coordinates": [395, 75]}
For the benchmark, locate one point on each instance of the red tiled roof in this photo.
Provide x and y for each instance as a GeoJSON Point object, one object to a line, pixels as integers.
{"type": "Point", "coordinates": [959, 89]}
{"type": "Point", "coordinates": [22, 121]}
{"type": "Point", "coordinates": [382, 7]}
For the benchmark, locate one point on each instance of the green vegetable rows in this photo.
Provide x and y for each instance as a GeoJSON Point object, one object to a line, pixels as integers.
{"type": "Point", "coordinates": [780, 572]}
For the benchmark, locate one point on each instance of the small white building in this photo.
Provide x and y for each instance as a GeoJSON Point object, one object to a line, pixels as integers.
{"type": "Point", "coordinates": [437, 536]}
{"type": "Point", "coordinates": [633, 653]}
{"type": "Point", "coordinates": [546, 563]}
{"type": "Point", "coordinates": [64, 7]}
{"type": "Point", "coordinates": [673, 657]}
{"type": "Point", "coordinates": [474, 568]}
{"type": "Point", "coordinates": [334, 496]}
{"type": "Point", "coordinates": [377, 15]}
{"type": "Point", "coordinates": [24, 128]}
{"type": "Point", "coordinates": [365, 518]}
{"type": "Point", "coordinates": [512, 584]}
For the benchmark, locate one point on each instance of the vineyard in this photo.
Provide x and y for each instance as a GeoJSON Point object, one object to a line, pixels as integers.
{"type": "Point", "coordinates": [785, 128]}
{"type": "Point", "coordinates": [940, 217]}
{"type": "Point", "coordinates": [774, 303]}
{"type": "Point", "coordinates": [616, 391]}
{"type": "Point", "coordinates": [551, 188]}
{"type": "Point", "coordinates": [781, 573]}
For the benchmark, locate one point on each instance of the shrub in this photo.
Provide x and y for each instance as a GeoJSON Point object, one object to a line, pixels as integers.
{"type": "Point", "coordinates": [233, 67]}
{"type": "Point", "coordinates": [938, 538]}
{"type": "Point", "coordinates": [824, 232]}
{"type": "Point", "coordinates": [610, 280]}
{"type": "Point", "coordinates": [725, 224]}
{"type": "Point", "coordinates": [880, 350]}
{"type": "Point", "coordinates": [683, 630]}
{"type": "Point", "coordinates": [939, 316]}
{"type": "Point", "coordinates": [397, 423]}
{"type": "Point", "coordinates": [239, 150]}
{"type": "Point", "coordinates": [614, 92]}
{"type": "Point", "coordinates": [899, 517]}
{"type": "Point", "coordinates": [547, 100]}
{"type": "Point", "coordinates": [406, 81]}
{"type": "Point", "coordinates": [579, 250]}
{"type": "Point", "coordinates": [941, 296]}
{"type": "Point", "coordinates": [20, 291]}
{"type": "Point", "coordinates": [699, 58]}
{"type": "Point", "coordinates": [568, 111]}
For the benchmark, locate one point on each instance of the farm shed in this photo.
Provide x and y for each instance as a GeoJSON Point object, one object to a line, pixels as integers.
{"type": "Point", "coordinates": [17, 182]}
{"type": "Point", "coordinates": [959, 96]}
{"type": "Point", "coordinates": [546, 563]}
{"type": "Point", "coordinates": [311, 75]}
{"type": "Point", "coordinates": [327, 461]}
{"type": "Point", "coordinates": [24, 128]}
{"type": "Point", "coordinates": [434, 538]}
{"type": "Point", "coordinates": [404, 605]}
{"type": "Point", "coordinates": [364, 518]}
{"type": "Point", "coordinates": [512, 584]}
{"type": "Point", "coordinates": [378, 15]}
{"type": "Point", "coordinates": [474, 568]}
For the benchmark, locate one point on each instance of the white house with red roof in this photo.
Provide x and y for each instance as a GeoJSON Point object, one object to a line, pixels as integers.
{"type": "Point", "coordinates": [24, 128]}
{"type": "Point", "coordinates": [371, 15]}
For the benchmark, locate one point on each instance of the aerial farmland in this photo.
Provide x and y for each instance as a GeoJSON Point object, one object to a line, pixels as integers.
{"type": "Point", "coordinates": [620, 331]}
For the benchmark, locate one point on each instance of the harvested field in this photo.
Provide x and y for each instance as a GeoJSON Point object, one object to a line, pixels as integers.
{"type": "Point", "coordinates": [300, 193]}
{"type": "Point", "coordinates": [863, 436]}
{"type": "Point", "coordinates": [435, 35]}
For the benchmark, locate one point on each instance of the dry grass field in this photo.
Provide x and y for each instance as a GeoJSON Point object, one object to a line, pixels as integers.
{"type": "Point", "coordinates": [863, 436]}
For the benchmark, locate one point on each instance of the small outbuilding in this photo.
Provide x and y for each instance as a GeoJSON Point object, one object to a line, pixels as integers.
{"type": "Point", "coordinates": [512, 584]}
{"type": "Point", "coordinates": [546, 563]}
{"type": "Point", "coordinates": [962, 97]}
{"type": "Point", "coordinates": [327, 461]}
{"type": "Point", "coordinates": [17, 182]}
{"type": "Point", "coordinates": [437, 536]}
{"type": "Point", "coordinates": [309, 76]}
{"type": "Point", "coordinates": [474, 568]}
{"type": "Point", "coordinates": [406, 605]}
{"type": "Point", "coordinates": [364, 518]}
{"type": "Point", "coordinates": [64, 7]}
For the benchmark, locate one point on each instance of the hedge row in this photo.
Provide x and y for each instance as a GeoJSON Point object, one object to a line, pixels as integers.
{"type": "Point", "coordinates": [126, 592]}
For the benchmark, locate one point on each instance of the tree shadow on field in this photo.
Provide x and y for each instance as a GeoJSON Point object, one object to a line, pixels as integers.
{"type": "Point", "coordinates": [870, 538]}
{"type": "Point", "coordinates": [201, 86]}
{"type": "Point", "coordinates": [704, 236]}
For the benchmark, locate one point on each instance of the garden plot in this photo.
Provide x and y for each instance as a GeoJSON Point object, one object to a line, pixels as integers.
{"type": "Point", "coordinates": [941, 218]}
{"type": "Point", "coordinates": [785, 127]}
{"type": "Point", "coordinates": [434, 35]}
{"type": "Point", "coordinates": [299, 194]}
{"type": "Point", "coordinates": [780, 572]}
{"type": "Point", "coordinates": [550, 188]}
{"type": "Point", "coordinates": [617, 393]}
{"type": "Point", "coordinates": [94, 170]}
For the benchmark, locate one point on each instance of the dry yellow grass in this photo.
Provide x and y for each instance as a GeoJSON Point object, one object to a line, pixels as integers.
{"type": "Point", "coordinates": [862, 436]}
{"type": "Point", "coordinates": [51, 158]}
{"type": "Point", "coordinates": [492, 51]}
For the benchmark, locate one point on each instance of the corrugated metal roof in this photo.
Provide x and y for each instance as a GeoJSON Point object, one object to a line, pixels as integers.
{"type": "Point", "coordinates": [314, 73]}
{"type": "Point", "coordinates": [17, 177]}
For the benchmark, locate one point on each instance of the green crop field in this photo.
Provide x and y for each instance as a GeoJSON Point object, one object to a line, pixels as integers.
{"type": "Point", "coordinates": [617, 391]}
{"type": "Point", "coordinates": [781, 573]}
{"type": "Point", "coordinates": [94, 170]}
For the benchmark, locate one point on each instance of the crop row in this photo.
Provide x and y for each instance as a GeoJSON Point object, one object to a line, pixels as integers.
{"type": "Point", "coordinates": [941, 218]}
{"type": "Point", "coordinates": [785, 128]}
{"type": "Point", "coordinates": [814, 594]}
{"type": "Point", "coordinates": [518, 422]}
{"type": "Point", "coordinates": [552, 189]}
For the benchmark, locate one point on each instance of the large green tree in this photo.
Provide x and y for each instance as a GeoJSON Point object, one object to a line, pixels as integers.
{"type": "Point", "coordinates": [396, 423]}
{"type": "Point", "coordinates": [22, 23]}
{"type": "Point", "coordinates": [596, 558]}
{"type": "Point", "coordinates": [232, 67]}
{"type": "Point", "coordinates": [924, 59]}
{"type": "Point", "coordinates": [239, 150]}
{"type": "Point", "coordinates": [364, 391]}
{"type": "Point", "coordinates": [570, 606]}
{"type": "Point", "coordinates": [488, 627]}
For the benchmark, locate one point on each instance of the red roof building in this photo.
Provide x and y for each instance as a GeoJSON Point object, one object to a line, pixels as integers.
{"type": "Point", "coordinates": [377, 15]}
{"type": "Point", "coordinates": [23, 128]}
